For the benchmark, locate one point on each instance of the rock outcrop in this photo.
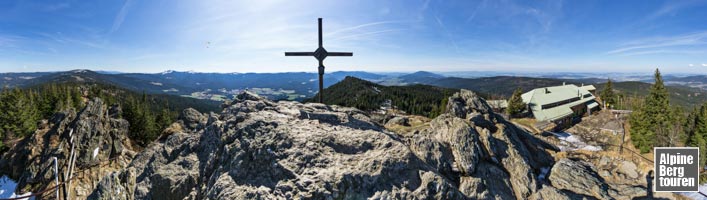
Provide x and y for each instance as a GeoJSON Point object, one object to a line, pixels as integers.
{"type": "Point", "coordinates": [399, 120]}
{"type": "Point", "coordinates": [97, 136]}
{"type": "Point", "coordinates": [262, 149]}
{"type": "Point", "coordinates": [489, 156]}
{"type": "Point", "coordinates": [259, 149]}
{"type": "Point", "coordinates": [579, 177]}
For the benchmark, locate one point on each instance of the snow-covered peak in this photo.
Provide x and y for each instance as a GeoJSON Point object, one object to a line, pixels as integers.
{"type": "Point", "coordinates": [79, 71]}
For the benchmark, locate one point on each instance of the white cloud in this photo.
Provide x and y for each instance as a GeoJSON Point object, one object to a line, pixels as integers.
{"type": "Point", "coordinates": [691, 65]}
{"type": "Point", "coordinates": [660, 43]}
{"type": "Point", "coordinates": [120, 17]}
{"type": "Point", "coordinates": [704, 65]}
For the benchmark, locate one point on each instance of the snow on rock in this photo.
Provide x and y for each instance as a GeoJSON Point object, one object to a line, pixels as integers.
{"type": "Point", "coordinates": [569, 142]}
{"type": "Point", "coordinates": [7, 188]}
{"type": "Point", "coordinates": [95, 153]}
{"type": "Point", "coordinates": [695, 195]}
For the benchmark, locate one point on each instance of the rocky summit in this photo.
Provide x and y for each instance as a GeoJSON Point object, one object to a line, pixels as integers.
{"type": "Point", "coordinates": [260, 149]}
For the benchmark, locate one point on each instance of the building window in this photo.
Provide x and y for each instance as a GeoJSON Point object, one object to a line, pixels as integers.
{"type": "Point", "coordinates": [559, 103]}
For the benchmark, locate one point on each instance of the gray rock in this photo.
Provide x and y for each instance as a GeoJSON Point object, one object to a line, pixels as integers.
{"type": "Point", "coordinates": [464, 102]}
{"type": "Point", "coordinates": [578, 177]}
{"type": "Point", "coordinates": [248, 95]}
{"type": "Point", "coordinates": [282, 150]}
{"type": "Point", "coordinates": [629, 169]}
{"type": "Point", "coordinates": [461, 138]}
{"type": "Point", "coordinates": [192, 118]}
{"type": "Point", "coordinates": [399, 120]}
{"type": "Point", "coordinates": [259, 149]}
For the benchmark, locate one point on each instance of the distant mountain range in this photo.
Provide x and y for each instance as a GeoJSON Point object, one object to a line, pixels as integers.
{"type": "Point", "coordinates": [301, 85]}
{"type": "Point", "coordinates": [215, 86]}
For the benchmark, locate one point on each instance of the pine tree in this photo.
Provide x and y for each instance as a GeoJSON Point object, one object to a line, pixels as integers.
{"type": "Point", "coordinates": [3, 106]}
{"type": "Point", "coordinates": [515, 104]}
{"type": "Point", "coordinates": [76, 98]}
{"type": "Point", "coordinates": [19, 116]}
{"type": "Point", "coordinates": [607, 95]}
{"type": "Point", "coordinates": [638, 131]}
{"type": "Point", "coordinates": [164, 118]}
{"type": "Point", "coordinates": [653, 119]}
{"type": "Point", "coordinates": [697, 132]}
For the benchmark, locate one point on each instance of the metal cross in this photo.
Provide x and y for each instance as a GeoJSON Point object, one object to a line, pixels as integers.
{"type": "Point", "coordinates": [320, 54]}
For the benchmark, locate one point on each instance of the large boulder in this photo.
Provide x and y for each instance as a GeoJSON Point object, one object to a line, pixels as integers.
{"type": "Point", "coordinates": [192, 118]}
{"type": "Point", "coordinates": [579, 177]}
{"type": "Point", "coordinates": [470, 135]}
{"type": "Point", "coordinates": [399, 121]}
{"type": "Point", "coordinates": [464, 102]}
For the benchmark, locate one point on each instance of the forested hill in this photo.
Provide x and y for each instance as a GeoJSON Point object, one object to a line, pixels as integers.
{"type": "Point", "coordinates": [502, 86]}
{"type": "Point", "coordinates": [147, 114]}
{"type": "Point", "coordinates": [422, 100]}
{"type": "Point", "coordinates": [684, 96]}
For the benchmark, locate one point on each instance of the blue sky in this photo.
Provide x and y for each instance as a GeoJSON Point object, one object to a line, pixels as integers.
{"type": "Point", "coordinates": [410, 35]}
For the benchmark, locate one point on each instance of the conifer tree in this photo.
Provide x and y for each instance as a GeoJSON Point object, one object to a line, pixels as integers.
{"type": "Point", "coordinates": [653, 119]}
{"type": "Point", "coordinates": [19, 116]}
{"type": "Point", "coordinates": [515, 104]}
{"type": "Point", "coordinates": [697, 131]}
{"type": "Point", "coordinates": [3, 106]}
{"type": "Point", "coordinates": [607, 95]}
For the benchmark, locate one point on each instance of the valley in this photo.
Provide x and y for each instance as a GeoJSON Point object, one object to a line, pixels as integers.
{"type": "Point", "coordinates": [420, 116]}
{"type": "Point", "coordinates": [687, 91]}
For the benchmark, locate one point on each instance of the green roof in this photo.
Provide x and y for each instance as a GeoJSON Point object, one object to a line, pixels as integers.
{"type": "Point", "coordinates": [548, 95]}
{"type": "Point", "coordinates": [588, 87]}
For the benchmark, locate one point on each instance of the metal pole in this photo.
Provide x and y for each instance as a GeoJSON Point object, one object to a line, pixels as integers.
{"type": "Point", "coordinates": [321, 64]}
{"type": "Point", "coordinates": [56, 177]}
{"type": "Point", "coordinates": [623, 134]}
{"type": "Point", "coordinates": [321, 84]}
{"type": "Point", "coordinates": [320, 32]}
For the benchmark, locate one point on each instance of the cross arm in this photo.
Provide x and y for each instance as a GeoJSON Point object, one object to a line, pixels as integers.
{"type": "Point", "coordinates": [339, 54]}
{"type": "Point", "coordinates": [299, 53]}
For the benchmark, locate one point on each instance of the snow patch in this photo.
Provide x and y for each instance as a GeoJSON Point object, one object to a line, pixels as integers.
{"type": "Point", "coordinates": [156, 83]}
{"type": "Point", "coordinates": [95, 153]}
{"type": "Point", "coordinates": [569, 142]}
{"type": "Point", "coordinates": [7, 188]}
{"type": "Point", "coordinates": [695, 195]}
{"type": "Point", "coordinates": [377, 90]}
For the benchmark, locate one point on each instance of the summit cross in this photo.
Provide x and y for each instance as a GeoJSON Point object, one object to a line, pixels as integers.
{"type": "Point", "coordinates": [320, 54]}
